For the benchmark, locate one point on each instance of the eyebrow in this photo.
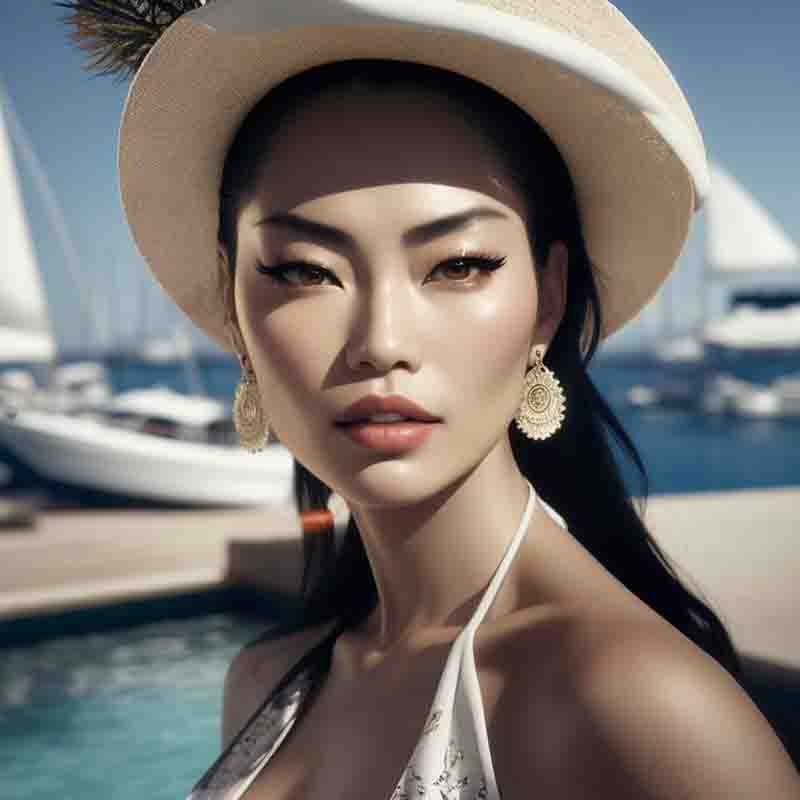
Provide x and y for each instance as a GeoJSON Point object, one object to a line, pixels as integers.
{"type": "Point", "coordinates": [418, 235]}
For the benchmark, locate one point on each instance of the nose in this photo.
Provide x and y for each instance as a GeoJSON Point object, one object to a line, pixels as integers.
{"type": "Point", "coordinates": [385, 330]}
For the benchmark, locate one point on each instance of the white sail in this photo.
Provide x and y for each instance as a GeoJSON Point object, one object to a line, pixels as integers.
{"type": "Point", "coordinates": [740, 234]}
{"type": "Point", "coordinates": [24, 322]}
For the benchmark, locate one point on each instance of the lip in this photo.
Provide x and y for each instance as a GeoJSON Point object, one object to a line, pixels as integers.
{"type": "Point", "coordinates": [389, 437]}
{"type": "Point", "coordinates": [362, 409]}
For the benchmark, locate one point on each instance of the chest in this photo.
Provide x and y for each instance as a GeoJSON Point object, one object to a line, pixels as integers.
{"type": "Point", "coordinates": [355, 742]}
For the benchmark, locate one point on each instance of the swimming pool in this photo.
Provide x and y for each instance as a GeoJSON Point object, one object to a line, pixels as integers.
{"type": "Point", "coordinates": [125, 714]}
{"type": "Point", "coordinates": [133, 712]}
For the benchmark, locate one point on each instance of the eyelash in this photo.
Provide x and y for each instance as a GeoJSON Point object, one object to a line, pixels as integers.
{"type": "Point", "coordinates": [483, 262]}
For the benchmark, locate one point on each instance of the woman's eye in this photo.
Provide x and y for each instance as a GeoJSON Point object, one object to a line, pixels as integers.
{"type": "Point", "coordinates": [462, 266]}
{"type": "Point", "coordinates": [279, 272]}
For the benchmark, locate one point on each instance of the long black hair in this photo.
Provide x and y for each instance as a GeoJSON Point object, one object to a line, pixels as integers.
{"type": "Point", "coordinates": [575, 470]}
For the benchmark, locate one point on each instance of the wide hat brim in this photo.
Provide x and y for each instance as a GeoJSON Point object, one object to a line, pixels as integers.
{"type": "Point", "coordinates": [580, 69]}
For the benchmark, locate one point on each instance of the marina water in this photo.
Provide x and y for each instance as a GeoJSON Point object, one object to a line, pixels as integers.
{"type": "Point", "coordinates": [683, 449]}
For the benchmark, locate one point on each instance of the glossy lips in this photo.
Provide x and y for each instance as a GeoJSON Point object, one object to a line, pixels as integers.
{"type": "Point", "coordinates": [390, 437]}
{"type": "Point", "coordinates": [392, 404]}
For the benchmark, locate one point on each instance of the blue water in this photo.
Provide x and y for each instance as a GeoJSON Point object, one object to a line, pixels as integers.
{"type": "Point", "coordinates": [687, 451]}
{"type": "Point", "coordinates": [125, 715]}
{"type": "Point", "coordinates": [135, 713]}
{"type": "Point", "coordinates": [683, 451]}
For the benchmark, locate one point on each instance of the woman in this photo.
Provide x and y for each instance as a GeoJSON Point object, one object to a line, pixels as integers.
{"type": "Point", "coordinates": [335, 193]}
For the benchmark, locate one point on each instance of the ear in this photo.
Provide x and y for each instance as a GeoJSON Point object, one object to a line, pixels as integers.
{"type": "Point", "coordinates": [227, 285]}
{"type": "Point", "coordinates": [552, 285]}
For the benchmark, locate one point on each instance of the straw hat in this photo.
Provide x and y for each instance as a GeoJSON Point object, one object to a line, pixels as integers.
{"type": "Point", "coordinates": [579, 67]}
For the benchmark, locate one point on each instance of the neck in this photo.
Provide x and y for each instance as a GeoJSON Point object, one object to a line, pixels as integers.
{"type": "Point", "coordinates": [433, 558]}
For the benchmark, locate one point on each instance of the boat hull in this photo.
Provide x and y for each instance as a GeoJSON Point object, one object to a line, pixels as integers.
{"type": "Point", "coordinates": [89, 455]}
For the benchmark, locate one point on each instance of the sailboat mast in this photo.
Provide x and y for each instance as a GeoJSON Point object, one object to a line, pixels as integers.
{"type": "Point", "coordinates": [142, 323]}
{"type": "Point", "coordinates": [25, 325]}
{"type": "Point", "coordinates": [669, 316]}
{"type": "Point", "coordinates": [705, 277]}
{"type": "Point", "coordinates": [191, 369]}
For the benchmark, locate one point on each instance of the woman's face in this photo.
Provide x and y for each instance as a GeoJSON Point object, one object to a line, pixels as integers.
{"type": "Point", "coordinates": [389, 303]}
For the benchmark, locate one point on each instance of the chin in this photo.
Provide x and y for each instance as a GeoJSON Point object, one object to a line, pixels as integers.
{"type": "Point", "coordinates": [386, 484]}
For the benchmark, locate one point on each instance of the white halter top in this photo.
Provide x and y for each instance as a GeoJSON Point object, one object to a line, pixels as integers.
{"type": "Point", "coordinates": [451, 759]}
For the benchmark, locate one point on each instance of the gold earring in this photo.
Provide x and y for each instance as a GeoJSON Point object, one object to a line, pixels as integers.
{"type": "Point", "coordinates": [542, 409]}
{"type": "Point", "coordinates": [249, 418]}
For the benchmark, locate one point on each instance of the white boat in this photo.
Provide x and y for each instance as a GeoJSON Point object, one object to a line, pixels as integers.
{"type": "Point", "coordinates": [643, 396]}
{"type": "Point", "coordinates": [680, 349]}
{"type": "Point", "coordinates": [73, 433]}
{"type": "Point", "coordinates": [741, 241]}
{"type": "Point", "coordinates": [787, 388]}
{"type": "Point", "coordinates": [163, 349]}
{"type": "Point", "coordinates": [84, 453]}
{"type": "Point", "coordinates": [751, 328]}
{"type": "Point", "coordinates": [189, 410]}
{"type": "Point", "coordinates": [161, 410]}
{"type": "Point", "coordinates": [725, 394]}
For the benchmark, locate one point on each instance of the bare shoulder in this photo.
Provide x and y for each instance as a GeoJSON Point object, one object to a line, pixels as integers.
{"type": "Point", "coordinates": [255, 671]}
{"type": "Point", "coordinates": [636, 710]}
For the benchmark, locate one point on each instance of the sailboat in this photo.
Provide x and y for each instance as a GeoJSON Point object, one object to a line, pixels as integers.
{"type": "Point", "coordinates": [26, 337]}
{"type": "Point", "coordinates": [741, 240]}
{"type": "Point", "coordinates": [24, 322]}
{"type": "Point", "coordinates": [69, 438]}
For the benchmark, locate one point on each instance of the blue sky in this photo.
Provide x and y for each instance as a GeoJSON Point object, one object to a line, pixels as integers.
{"type": "Point", "coordinates": [737, 64]}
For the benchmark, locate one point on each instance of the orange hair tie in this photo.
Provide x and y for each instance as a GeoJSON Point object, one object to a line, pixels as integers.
{"type": "Point", "coordinates": [316, 520]}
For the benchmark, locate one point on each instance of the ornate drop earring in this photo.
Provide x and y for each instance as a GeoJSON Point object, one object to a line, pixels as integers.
{"type": "Point", "coordinates": [248, 415]}
{"type": "Point", "coordinates": [542, 409]}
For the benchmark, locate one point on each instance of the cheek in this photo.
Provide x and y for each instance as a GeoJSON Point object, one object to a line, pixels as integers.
{"type": "Point", "coordinates": [286, 354]}
{"type": "Point", "coordinates": [283, 358]}
{"type": "Point", "coordinates": [489, 354]}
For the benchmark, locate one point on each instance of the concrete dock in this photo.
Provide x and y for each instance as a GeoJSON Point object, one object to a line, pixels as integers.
{"type": "Point", "coordinates": [82, 558]}
{"type": "Point", "coordinates": [740, 550]}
